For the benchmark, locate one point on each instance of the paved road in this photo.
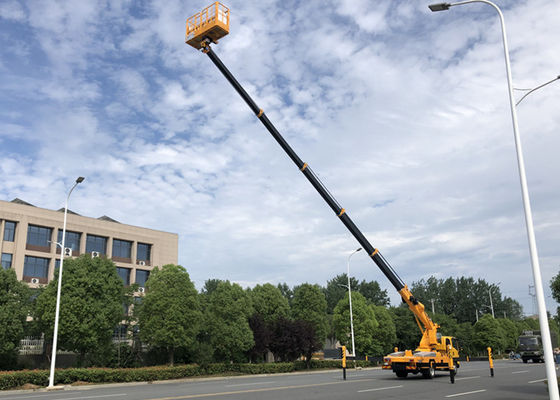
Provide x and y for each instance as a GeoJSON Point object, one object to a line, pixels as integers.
{"type": "Point", "coordinates": [512, 380]}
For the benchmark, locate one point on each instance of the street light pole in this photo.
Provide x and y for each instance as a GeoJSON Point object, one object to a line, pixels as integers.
{"type": "Point", "coordinates": [543, 318]}
{"type": "Point", "coordinates": [491, 303]}
{"type": "Point", "coordinates": [57, 311]}
{"type": "Point", "coordinates": [350, 300]}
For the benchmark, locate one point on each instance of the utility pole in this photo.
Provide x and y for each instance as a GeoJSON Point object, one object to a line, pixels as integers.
{"type": "Point", "coordinates": [433, 308]}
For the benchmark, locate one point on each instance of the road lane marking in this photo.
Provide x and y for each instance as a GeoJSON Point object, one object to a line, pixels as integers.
{"type": "Point", "coordinates": [520, 372]}
{"type": "Point", "coordinates": [466, 377]}
{"type": "Point", "coordinates": [271, 389]}
{"type": "Point", "coordinates": [465, 393]}
{"type": "Point", "coordinates": [538, 380]}
{"type": "Point", "coordinates": [250, 384]}
{"type": "Point", "coordinates": [383, 388]}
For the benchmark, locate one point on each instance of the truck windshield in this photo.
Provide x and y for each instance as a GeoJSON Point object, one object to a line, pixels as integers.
{"type": "Point", "coordinates": [528, 341]}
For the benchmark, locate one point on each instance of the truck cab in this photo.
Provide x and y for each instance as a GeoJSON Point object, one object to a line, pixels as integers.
{"type": "Point", "coordinates": [530, 347]}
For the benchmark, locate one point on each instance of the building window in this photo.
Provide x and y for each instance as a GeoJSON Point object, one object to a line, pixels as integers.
{"type": "Point", "coordinates": [96, 243]}
{"type": "Point", "coordinates": [142, 276]}
{"type": "Point", "coordinates": [124, 273]}
{"type": "Point", "coordinates": [36, 267]}
{"type": "Point", "coordinates": [57, 264]}
{"type": "Point", "coordinates": [38, 237]}
{"type": "Point", "coordinates": [143, 253]}
{"type": "Point", "coordinates": [9, 231]}
{"type": "Point", "coordinates": [6, 260]}
{"type": "Point", "coordinates": [120, 332]}
{"type": "Point", "coordinates": [121, 249]}
{"type": "Point", "coordinates": [72, 241]}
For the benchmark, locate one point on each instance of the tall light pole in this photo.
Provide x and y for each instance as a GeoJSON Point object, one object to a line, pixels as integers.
{"type": "Point", "coordinates": [491, 303]}
{"type": "Point", "coordinates": [57, 311]}
{"type": "Point", "coordinates": [543, 318]}
{"type": "Point", "coordinates": [350, 300]}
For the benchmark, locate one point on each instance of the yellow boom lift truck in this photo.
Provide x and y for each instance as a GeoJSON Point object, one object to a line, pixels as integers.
{"type": "Point", "coordinates": [435, 352]}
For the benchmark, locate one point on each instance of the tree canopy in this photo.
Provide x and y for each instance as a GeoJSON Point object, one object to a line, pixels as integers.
{"type": "Point", "coordinates": [269, 302]}
{"type": "Point", "coordinates": [555, 287]}
{"type": "Point", "coordinates": [462, 298]}
{"type": "Point", "coordinates": [309, 304]}
{"type": "Point", "coordinates": [169, 316]}
{"type": "Point", "coordinates": [364, 319]}
{"type": "Point", "coordinates": [227, 321]}
{"type": "Point", "coordinates": [91, 305]}
{"type": "Point", "coordinates": [337, 289]}
{"type": "Point", "coordinates": [14, 308]}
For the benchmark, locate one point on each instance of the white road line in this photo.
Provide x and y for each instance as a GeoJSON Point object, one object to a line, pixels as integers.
{"type": "Point", "coordinates": [538, 380]}
{"type": "Point", "coordinates": [465, 393]}
{"type": "Point", "coordinates": [383, 388]}
{"type": "Point", "coordinates": [250, 384]}
{"type": "Point", "coordinates": [467, 377]}
{"type": "Point", "coordinates": [520, 372]}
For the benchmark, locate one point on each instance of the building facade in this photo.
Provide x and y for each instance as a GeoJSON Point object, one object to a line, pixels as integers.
{"type": "Point", "coordinates": [30, 240]}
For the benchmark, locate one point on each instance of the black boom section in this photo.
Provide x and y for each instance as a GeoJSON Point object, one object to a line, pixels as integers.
{"type": "Point", "coordinates": [309, 174]}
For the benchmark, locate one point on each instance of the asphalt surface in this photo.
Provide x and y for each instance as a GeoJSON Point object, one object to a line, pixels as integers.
{"type": "Point", "coordinates": [512, 380]}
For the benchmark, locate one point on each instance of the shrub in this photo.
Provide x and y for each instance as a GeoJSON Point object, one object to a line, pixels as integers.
{"type": "Point", "coordinates": [14, 379]}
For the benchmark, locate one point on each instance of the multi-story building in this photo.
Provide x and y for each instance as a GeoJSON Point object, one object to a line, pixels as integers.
{"type": "Point", "coordinates": [30, 237]}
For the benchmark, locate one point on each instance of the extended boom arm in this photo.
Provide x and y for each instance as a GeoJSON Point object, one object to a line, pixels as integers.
{"type": "Point", "coordinates": [429, 331]}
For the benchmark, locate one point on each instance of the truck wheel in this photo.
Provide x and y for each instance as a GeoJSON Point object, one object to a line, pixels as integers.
{"type": "Point", "coordinates": [401, 374]}
{"type": "Point", "coordinates": [525, 360]}
{"type": "Point", "coordinates": [430, 372]}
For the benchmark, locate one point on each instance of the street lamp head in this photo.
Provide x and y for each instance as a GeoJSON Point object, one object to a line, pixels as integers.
{"type": "Point", "coordinates": [80, 179]}
{"type": "Point", "coordinates": [439, 7]}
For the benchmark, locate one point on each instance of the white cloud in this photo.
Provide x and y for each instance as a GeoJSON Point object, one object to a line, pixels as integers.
{"type": "Point", "coordinates": [12, 10]}
{"type": "Point", "coordinates": [401, 112]}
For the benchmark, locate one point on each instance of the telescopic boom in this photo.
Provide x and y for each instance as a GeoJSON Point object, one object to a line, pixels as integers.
{"type": "Point", "coordinates": [210, 25]}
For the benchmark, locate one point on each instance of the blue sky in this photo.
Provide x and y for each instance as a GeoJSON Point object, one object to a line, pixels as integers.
{"type": "Point", "coordinates": [402, 113]}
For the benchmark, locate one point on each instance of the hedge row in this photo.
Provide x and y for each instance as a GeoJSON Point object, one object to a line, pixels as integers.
{"type": "Point", "coordinates": [15, 379]}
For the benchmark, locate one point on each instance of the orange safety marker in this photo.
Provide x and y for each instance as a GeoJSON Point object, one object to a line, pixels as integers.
{"type": "Point", "coordinates": [491, 361]}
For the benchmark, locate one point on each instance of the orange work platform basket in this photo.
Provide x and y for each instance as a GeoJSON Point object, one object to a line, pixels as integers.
{"type": "Point", "coordinates": [212, 23]}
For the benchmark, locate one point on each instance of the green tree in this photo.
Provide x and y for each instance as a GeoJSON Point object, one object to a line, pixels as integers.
{"type": "Point", "coordinates": [448, 325]}
{"type": "Point", "coordinates": [385, 334]}
{"type": "Point", "coordinates": [210, 285]}
{"type": "Point", "coordinates": [364, 323]}
{"type": "Point", "coordinates": [269, 306]}
{"type": "Point", "coordinates": [286, 291]}
{"type": "Point", "coordinates": [555, 287]}
{"type": "Point", "coordinates": [169, 316]}
{"type": "Point", "coordinates": [14, 308]}
{"type": "Point", "coordinates": [488, 333]}
{"type": "Point", "coordinates": [309, 304]}
{"type": "Point", "coordinates": [337, 289]}
{"type": "Point", "coordinates": [464, 335]}
{"type": "Point", "coordinates": [269, 302]}
{"type": "Point", "coordinates": [91, 305]}
{"type": "Point", "coordinates": [373, 293]}
{"type": "Point", "coordinates": [227, 322]}
{"type": "Point", "coordinates": [532, 324]}
{"type": "Point", "coordinates": [407, 330]}
{"type": "Point", "coordinates": [510, 333]}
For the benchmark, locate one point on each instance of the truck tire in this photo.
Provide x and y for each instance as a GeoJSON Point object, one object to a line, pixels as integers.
{"type": "Point", "coordinates": [401, 374]}
{"type": "Point", "coordinates": [430, 372]}
{"type": "Point", "coordinates": [525, 360]}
